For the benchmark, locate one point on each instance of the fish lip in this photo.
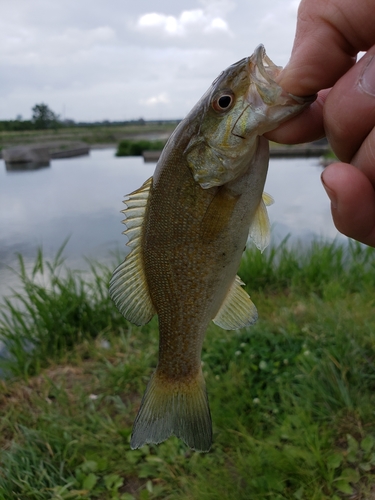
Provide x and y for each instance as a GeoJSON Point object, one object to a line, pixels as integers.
{"type": "Point", "coordinates": [308, 99]}
{"type": "Point", "coordinates": [264, 72]}
{"type": "Point", "coordinates": [266, 69]}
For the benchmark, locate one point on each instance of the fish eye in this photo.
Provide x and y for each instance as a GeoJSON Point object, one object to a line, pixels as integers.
{"type": "Point", "coordinates": [223, 102]}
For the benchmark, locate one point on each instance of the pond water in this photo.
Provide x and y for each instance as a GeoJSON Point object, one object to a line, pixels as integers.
{"type": "Point", "coordinates": [81, 198]}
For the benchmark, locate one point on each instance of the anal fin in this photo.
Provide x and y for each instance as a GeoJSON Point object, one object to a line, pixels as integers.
{"type": "Point", "coordinates": [237, 310]}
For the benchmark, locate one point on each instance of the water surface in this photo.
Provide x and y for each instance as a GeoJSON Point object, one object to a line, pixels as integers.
{"type": "Point", "coordinates": [81, 198]}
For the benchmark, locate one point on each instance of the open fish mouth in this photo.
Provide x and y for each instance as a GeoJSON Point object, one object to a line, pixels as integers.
{"type": "Point", "coordinates": [265, 70]}
{"type": "Point", "coordinates": [263, 74]}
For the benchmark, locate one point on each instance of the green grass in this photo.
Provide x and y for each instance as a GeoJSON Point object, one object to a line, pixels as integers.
{"type": "Point", "coordinates": [292, 398]}
{"type": "Point", "coordinates": [129, 147]}
{"type": "Point", "coordinates": [110, 134]}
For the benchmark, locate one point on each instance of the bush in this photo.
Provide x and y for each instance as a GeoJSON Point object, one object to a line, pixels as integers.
{"type": "Point", "coordinates": [135, 148]}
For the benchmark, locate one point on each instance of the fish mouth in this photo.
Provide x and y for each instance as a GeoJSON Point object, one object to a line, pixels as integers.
{"type": "Point", "coordinates": [265, 70]}
{"type": "Point", "coordinates": [263, 73]}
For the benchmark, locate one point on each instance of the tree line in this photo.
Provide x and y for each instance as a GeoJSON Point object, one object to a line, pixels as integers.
{"type": "Point", "coordinates": [43, 118]}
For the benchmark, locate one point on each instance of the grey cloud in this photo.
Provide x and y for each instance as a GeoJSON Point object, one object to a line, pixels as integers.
{"type": "Point", "coordinates": [93, 59]}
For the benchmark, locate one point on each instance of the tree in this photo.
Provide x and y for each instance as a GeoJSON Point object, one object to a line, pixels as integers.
{"type": "Point", "coordinates": [43, 117]}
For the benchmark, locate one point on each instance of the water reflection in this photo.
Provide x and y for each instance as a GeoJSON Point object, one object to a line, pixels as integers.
{"type": "Point", "coordinates": [25, 166]}
{"type": "Point", "coordinates": [302, 208]}
{"type": "Point", "coordinates": [82, 198]}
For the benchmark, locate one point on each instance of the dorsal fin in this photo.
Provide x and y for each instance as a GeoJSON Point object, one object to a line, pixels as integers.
{"type": "Point", "coordinates": [237, 310]}
{"type": "Point", "coordinates": [260, 228]}
{"type": "Point", "coordinates": [128, 287]}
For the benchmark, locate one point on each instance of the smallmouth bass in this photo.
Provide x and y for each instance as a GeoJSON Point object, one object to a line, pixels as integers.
{"type": "Point", "coordinates": [187, 228]}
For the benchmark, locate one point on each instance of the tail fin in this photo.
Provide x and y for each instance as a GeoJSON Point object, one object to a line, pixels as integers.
{"type": "Point", "coordinates": [178, 408]}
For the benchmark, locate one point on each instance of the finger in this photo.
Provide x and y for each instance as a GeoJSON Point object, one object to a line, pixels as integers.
{"type": "Point", "coordinates": [364, 159]}
{"type": "Point", "coordinates": [352, 201]}
{"type": "Point", "coordinates": [306, 127]}
{"type": "Point", "coordinates": [329, 35]}
{"type": "Point", "coordinates": [349, 111]}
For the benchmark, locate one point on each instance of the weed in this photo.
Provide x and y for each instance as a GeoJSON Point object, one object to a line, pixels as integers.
{"type": "Point", "coordinates": [129, 147]}
{"type": "Point", "coordinates": [292, 398]}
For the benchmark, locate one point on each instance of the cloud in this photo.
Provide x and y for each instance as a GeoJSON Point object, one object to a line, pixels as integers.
{"type": "Point", "coordinates": [86, 38]}
{"type": "Point", "coordinates": [25, 48]}
{"type": "Point", "coordinates": [185, 24]}
{"type": "Point", "coordinates": [158, 99]}
{"type": "Point", "coordinates": [121, 60]}
{"type": "Point", "coordinates": [217, 24]}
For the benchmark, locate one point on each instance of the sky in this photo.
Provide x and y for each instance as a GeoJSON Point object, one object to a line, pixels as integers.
{"type": "Point", "coordinates": [128, 59]}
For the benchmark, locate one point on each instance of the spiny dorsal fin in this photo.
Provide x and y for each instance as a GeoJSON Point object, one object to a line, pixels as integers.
{"type": "Point", "coordinates": [260, 228]}
{"type": "Point", "coordinates": [128, 287]}
{"type": "Point", "coordinates": [237, 310]}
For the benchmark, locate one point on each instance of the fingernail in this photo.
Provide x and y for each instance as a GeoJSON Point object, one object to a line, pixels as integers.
{"type": "Point", "coordinates": [367, 78]}
{"type": "Point", "coordinates": [331, 194]}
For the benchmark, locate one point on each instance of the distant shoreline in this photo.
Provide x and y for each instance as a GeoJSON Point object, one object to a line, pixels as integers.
{"type": "Point", "coordinates": [103, 137]}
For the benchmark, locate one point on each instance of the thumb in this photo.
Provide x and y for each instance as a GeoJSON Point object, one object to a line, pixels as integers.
{"type": "Point", "coordinates": [323, 50]}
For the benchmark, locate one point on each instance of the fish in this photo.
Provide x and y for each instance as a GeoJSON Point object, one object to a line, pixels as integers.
{"type": "Point", "coordinates": [187, 227]}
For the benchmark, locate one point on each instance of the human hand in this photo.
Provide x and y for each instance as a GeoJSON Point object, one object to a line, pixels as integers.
{"type": "Point", "coordinates": [329, 35]}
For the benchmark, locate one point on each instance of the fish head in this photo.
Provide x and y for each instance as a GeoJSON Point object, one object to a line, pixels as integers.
{"type": "Point", "coordinates": [243, 103]}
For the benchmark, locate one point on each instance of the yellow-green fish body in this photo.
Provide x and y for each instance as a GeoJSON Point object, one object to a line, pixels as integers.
{"type": "Point", "coordinates": [187, 228]}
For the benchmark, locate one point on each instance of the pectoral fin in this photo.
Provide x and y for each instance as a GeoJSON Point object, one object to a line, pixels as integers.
{"type": "Point", "coordinates": [206, 164]}
{"type": "Point", "coordinates": [128, 287]}
{"type": "Point", "coordinates": [237, 310]}
{"type": "Point", "coordinates": [218, 214]}
{"type": "Point", "coordinates": [260, 228]}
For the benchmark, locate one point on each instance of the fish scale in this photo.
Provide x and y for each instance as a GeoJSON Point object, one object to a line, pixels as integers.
{"type": "Point", "coordinates": [187, 228]}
